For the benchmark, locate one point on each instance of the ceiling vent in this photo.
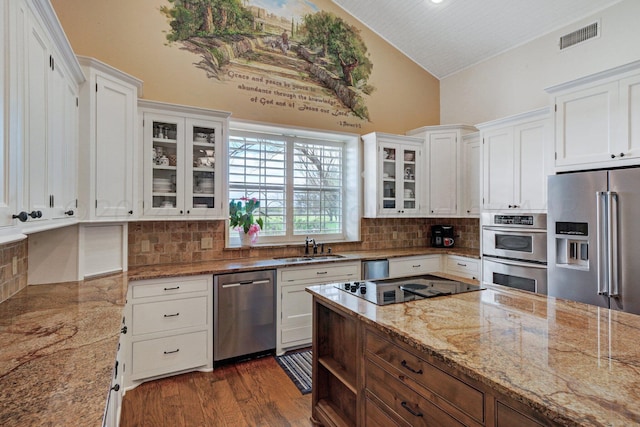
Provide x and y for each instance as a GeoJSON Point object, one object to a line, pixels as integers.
{"type": "Point", "coordinates": [579, 36]}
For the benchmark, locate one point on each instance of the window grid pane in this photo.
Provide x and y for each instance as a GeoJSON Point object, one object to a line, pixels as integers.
{"type": "Point", "coordinates": [258, 168]}
{"type": "Point", "coordinates": [317, 182]}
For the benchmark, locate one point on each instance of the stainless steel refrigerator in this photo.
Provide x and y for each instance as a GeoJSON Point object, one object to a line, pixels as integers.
{"type": "Point", "coordinates": [593, 238]}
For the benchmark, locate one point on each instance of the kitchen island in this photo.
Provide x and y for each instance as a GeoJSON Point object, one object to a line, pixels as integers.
{"type": "Point", "coordinates": [495, 357]}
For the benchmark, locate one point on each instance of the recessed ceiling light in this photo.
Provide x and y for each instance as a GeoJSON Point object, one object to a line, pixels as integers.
{"type": "Point", "coordinates": [436, 1]}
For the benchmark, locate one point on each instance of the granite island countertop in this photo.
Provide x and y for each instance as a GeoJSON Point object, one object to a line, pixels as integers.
{"type": "Point", "coordinates": [59, 343]}
{"type": "Point", "coordinates": [578, 364]}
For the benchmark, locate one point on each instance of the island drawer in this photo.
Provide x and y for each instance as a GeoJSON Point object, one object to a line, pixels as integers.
{"type": "Point", "coordinates": [169, 286]}
{"type": "Point", "coordinates": [170, 315]}
{"type": "Point", "coordinates": [402, 400]}
{"type": "Point", "coordinates": [426, 378]}
{"type": "Point", "coordinates": [169, 354]}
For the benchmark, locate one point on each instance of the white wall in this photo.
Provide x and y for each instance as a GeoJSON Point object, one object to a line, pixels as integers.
{"type": "Point", "coordinates": [514, 81]}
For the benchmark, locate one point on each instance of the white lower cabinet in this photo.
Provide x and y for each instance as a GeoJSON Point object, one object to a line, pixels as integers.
{"type": "Point", "coordinates": [462, 266]}
{"type": "Point", "coordinates": [171, 327]}
{"type": "Point", "coordinates": [414, 265]}
{"type": "Point", "coordinates": [112, 412]}
{"type": "Point", "coordinates": [294, 304]}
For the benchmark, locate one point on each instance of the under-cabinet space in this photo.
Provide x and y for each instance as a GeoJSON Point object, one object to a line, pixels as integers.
{"type": "Point", "coordinates": [336, 365]}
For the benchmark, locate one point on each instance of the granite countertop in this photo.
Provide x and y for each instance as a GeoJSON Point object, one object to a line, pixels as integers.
{"type": "Point", "coordinates": [578, 364]}
{"type": "Point", "coordinates": [246, 264]}
{"type": "Point", "coordinates": [59, 345]}
{"type": "Point", "coordinates": [59, 341]}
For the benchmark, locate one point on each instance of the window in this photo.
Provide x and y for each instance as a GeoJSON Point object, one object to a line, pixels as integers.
{"type": "Point", "coordinates": [300, 180]}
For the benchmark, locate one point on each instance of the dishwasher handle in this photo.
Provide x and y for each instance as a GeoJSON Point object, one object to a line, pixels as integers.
{"type": "Point", "coordinates": [246, 282]}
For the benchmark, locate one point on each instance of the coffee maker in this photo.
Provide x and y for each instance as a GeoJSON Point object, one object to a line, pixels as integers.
{"type": "Point", "coordinates": [442, 236]}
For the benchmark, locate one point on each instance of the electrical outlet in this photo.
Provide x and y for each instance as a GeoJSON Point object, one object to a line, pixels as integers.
{"type": "Point", "coordinates": [14, 265]}
{"type": "Point", "coordinates": [206, 243]}
{"type": "Point", "coordinates": [145, 246]}
{"type": "Point", "coordinates": [395, 235]}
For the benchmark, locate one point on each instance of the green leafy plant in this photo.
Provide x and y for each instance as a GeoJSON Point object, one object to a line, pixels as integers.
{"type": "Point", "coordinates": [243, 215]}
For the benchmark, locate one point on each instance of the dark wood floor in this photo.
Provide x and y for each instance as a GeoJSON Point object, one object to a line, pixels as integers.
{"type": "Point", "coordinates": [250, 393]}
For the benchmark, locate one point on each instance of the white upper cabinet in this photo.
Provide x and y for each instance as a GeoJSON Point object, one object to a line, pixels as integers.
{"type": "Point", "coordinates": [393, 176]}
{"type": "Point", "coordinates": [443, 169]}
{"type": "Point", "coordinates": [470, 174]}
{"type": "Point", "coordinates": [597, 120]}
{"type": "Point", "coordinates": [43, 88]}
{"type": "Point", "coordinates": [184, 160]}
{"type": "Point", "coordinates": [515, 159]}
{"type": "Point", "coordinates": [108, 111]}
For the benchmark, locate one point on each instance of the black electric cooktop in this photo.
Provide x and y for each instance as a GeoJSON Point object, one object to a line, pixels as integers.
{"type": "Point", "coordinates": [391, 291]}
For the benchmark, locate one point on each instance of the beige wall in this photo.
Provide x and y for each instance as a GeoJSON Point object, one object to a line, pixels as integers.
{"type": "Point", "coordinates": [131, 36]}
{"type": "Point", "coordinates": [515, 81]}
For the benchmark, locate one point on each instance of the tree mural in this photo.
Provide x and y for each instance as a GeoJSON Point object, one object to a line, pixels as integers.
{"type": "Point", "coordinates": [319, 47]}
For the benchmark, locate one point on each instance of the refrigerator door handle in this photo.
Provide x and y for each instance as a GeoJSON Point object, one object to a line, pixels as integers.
{"type": "Point", "coordinates": [614, 285]}
{"type": "Point", "coordinates": [600, 236]}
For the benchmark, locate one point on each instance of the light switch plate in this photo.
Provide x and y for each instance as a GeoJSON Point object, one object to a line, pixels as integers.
{"type": "Point", "coordinates": [145, 246]}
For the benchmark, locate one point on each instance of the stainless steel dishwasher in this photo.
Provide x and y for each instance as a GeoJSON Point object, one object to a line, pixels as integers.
{"type": "Point", "coordinates": [244, 319]}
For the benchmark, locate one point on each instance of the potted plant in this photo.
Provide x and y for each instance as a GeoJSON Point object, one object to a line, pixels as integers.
{"type": "Point", "coordinates": [243, 218]}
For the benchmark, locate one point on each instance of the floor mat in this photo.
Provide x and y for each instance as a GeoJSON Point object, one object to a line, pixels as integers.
{"type": "Point", "coordinates": [298, 367]}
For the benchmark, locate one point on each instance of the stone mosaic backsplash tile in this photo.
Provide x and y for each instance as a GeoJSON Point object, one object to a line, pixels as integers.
{"type": "Point", "coordinates": [10, 282]}
{"type": "Point", "coordinates": [169, 242]}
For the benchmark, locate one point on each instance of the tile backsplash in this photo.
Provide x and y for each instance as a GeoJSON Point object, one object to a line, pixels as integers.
{"type": "Point", "coordinates": [169, 242]}
{"type": "Point", "coordinates": [11, 283]}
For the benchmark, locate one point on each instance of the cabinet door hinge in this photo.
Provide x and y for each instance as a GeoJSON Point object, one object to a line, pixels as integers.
{"type": "Point", "coordinates": [77, 102]}
{"type": "Point", "coordinates": [76, 203]}
{"type": "Point", "coordinates": [96, 203]}
{"type": "Point", "coordinates": [96, 87]}
{"type": "Point", "coordinates": [555, 107]}
{"type": "Point", "coordinates": [556, 155]}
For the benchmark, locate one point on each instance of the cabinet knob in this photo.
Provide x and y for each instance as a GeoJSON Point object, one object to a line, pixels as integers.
{"type": "Point", "coordinates": [69, 212]}
{"type": "Point", "coordinates": [621, 154]}
{"type": "Point", "coordinates": [22, 216]}
{"type": "Point", "coordinates": [35, 214]}
{"type": "Point", "coordinates": [613, 156]}
{"type": "Point", "coordinates": [116, 387]}
{"type": "Point", "coordinates": [181, 212]}
{"type": "Point", "coordinates": [130, 212]}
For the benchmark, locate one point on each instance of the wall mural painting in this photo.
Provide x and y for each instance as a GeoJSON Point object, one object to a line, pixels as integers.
{"type": "Point", "coordinates": [281, 53]}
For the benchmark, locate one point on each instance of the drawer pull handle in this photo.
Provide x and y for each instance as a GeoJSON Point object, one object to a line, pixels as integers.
{"type": "Point", "coordinates": [172, 289]}
{"type": "Point", "coordinates": [321, 272]}
{"type": "Point", "coordinates": [173, 351]}
{"type": "Point", "coordinates": [411, 411]}
{"type": "Point", "coordinates": [406, 366]}
{"type": "Point", "coordinates": [462, 265]}
{"type": "Point", "coordinates": [172, 315]}
{"type": "Point", "coordinates": [417, 266]}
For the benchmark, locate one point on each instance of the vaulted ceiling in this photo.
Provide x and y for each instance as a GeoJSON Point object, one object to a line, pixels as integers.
{"type": "Point", "coordinates": [450, 36]}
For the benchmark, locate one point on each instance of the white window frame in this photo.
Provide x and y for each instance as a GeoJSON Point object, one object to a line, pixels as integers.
{"type": "Point", "coordinates": [351, 182]}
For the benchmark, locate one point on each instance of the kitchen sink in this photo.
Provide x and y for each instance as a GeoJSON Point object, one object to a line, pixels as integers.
{"type": "Point", "coordinates": [309, 258]}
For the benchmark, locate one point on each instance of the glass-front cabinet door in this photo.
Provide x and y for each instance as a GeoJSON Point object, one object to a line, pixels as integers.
{"type": "Point", "coordinates": [183, 163]}
{"type": "Point", "coordinates": [400, 188]}
{"type": "Point", "coordinates": [203, 187]}
{"type": "Point", "coordinates": [165, 171]}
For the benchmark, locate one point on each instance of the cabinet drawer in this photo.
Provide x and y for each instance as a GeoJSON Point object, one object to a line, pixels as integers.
{"type": "Point", "coordinates": [424, 375]}
{"type": "Point", "coordinates": [169, 354]}
{"type": "Point", "coordinates": [375, 416]}
{"type": "Point", "coordinates": [323, 273]}
{"type": "Point", "coordinates": [412, 266]}
{"type": "Point", "coordinates": [405, 402]}
{"type": "Point", "coordinates": [461, 266]}
{"type": "Point", "coordinates": [170, 286]}
{"type": "Point", "coordinates": [169, 315]}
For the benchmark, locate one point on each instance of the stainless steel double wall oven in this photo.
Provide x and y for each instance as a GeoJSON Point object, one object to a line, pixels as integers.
{"type": "Point", "coordinates": [514, 250]}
